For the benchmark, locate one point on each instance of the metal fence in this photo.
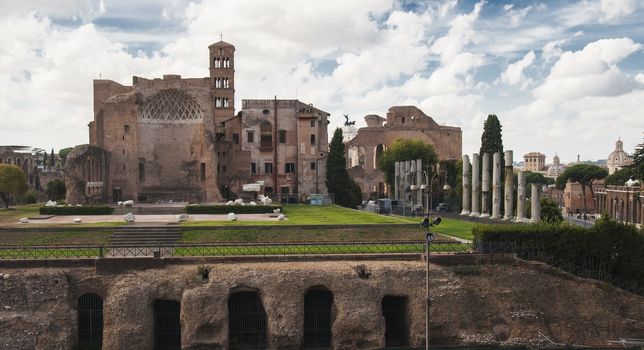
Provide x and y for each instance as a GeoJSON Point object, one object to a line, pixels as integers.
{"type": "Point", "coordinates": [231, 249]}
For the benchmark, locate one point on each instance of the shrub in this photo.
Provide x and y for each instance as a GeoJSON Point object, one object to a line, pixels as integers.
{"type": "Point", "coordinates": [225, 209]}
{"type": "Point", "coordinates": [55, 189]}
{"type": "Point", "coordinates": [85, 210]}
{"type": "Point", "coordinates": [608, 246]}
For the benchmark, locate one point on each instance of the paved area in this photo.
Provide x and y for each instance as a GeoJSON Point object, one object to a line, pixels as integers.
{"type": "Point", "coordinates": [64, 219]}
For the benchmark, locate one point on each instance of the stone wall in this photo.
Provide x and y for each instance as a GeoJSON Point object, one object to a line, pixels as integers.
{"type": "Point", "coordinates": [505, 304]}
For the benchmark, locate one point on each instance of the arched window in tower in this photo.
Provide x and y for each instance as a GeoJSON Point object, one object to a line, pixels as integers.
{"type": "Point", "coordinates": [225, 83]}
{"type": "Point", "coordinates": [225, 102]}
{"type": "Point", "coordinates": [217, 83]}
{"type": "Point", "coordinates": [218, 102]}
{"type": "Point", "coordinates": [217, 62]}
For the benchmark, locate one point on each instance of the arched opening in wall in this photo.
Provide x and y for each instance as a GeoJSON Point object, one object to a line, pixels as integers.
{"type": "Point", "coordinates": [19, 163]}
{"type": "Point", "coordinates": [90, 322]}
{"type": "Point", "coordinates": [379, 150]}
{"type": "Point", "coordinates": [167, 325]}
{"type": "Point", "coordinates": [246, 321]}
{"type": "Point", "coordinates": [394, 310]}
{"type": "Point", "coordinates": [318, 304]}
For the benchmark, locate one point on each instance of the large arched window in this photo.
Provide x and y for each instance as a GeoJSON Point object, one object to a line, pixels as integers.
{"type": "Point", "coordinates": [380, 149]}
{"type": "Point", "coordinates": [167, 325]}
{"type": "Point", "coordinates": [394, 310]}
{"type": "Point", "coordinates": [90, 321]}
{"type": "Point", "coordinates": [246, 321]}
{"type": "Point", "coordinates": [318, 320]}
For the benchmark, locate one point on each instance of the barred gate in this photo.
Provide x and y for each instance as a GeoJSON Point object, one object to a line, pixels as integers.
{"type": "Point", "coordinates": [246, 321]}
{"type": "Point", "coordinates": [90, 322]}
{"type": "Point", "coordinates": [167, 325]}
{"type": "Point", "coordinates": [317, 319]}
{"type": "Point", "coordinates": [394, 310]}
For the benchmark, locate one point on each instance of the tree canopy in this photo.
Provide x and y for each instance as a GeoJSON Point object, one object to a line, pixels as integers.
{"type": "Point", "coordinates": [491, 139]}
{"type": "Point", "coordinates": [584, 174]}
{"type": "Point", "coordinates": [619, 177]}
{"type": "Point", "coordinates": [405, 149]}
{"type": "Point", "coordinates": [55, 189]}
{"type": "Point", "coordinates": [550, 213]}
{"type": "Point", "coordinates": [63, 154]}
{"type": "Point", "coordinates": [346, 191]}
{"type": "Point", "coordinates": [13, 182]}
{"type": "Point", "coordinates": [638, 161]}
{"type": "Point", "coordinates": [537, 178]}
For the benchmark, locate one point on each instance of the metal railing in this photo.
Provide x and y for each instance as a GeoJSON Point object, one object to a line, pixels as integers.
{"type": "Point", "coordinates": [230, 249]}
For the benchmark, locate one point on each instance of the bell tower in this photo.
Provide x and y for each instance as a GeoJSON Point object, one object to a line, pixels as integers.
{"type": "Point", "coordinates": [222, 79]}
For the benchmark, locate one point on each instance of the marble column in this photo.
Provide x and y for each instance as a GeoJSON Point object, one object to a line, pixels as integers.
{"type": "Point", "coordinates": [397, 180]}
{"type": "Point", "coordinates": [535, 212]}
{"type": "Point", "coordinates": [466, 185]}
{"type": "Point", "coordinates": [485, 188]}
{"type": "Point", "coordinates": [521, 196]}
{"type": "Point", "coordinates": [412, 181]}
{"type": "Point", "coordinates": [419, 182]}
{"type": "Point", "coordinates": [407, 183]}
{"type": "Point", "coordinates": [496, 186]}
{"type": "Point", "coordinates": [509, 187]}
{"type": "Point", "coordinates": [476, 196]}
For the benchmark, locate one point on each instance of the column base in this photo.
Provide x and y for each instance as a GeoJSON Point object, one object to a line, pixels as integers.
{"type": "Point", "coordinates": [475, 214]}
{"type": "Point", "coordinates": [494, 217]}
{"type": "Point", "coordinates": [535, 221]}
{"type": "Point", "coordinates": [508, 218]}
{"type": "Point", "coordinates": [520, 219]}
{"type": "Point", "coordinates": [485, 215]}
{"type": "Point", "coordinates": [465, 212]}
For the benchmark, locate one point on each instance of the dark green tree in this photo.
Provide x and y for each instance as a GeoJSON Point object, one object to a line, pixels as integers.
{"type": "Point", "coordinates": [52, 158]}
{"type": "Point", "coordinates": [55, 189]}
{"type": "Point", "coordinates": [406, 149]}
{"type": "Point", "coordinates": [492, 140]}
{"type": "Point", "coordinates": [45, 161]}
{"type": "Point", "coordinates": [347, 193]}
{"type": "Point", "coordinates": [619, 177]}
{"type": "Point", "coordinates": [550, 212]}
{"type": "Point", "coordinates": [638, 161]}
{"type": "Point", "coordinates": [536, 178]}
{"type": "Point", "coordinates": [13, 182]}
{"type": "Point", "coordinates": [585, 175]}
{"type": "Point", "coordinates": [63, 154]}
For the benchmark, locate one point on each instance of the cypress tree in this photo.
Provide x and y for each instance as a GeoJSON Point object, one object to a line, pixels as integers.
{"type": "Point", "coordinates": [52, 158]}
{"type": "Point", "coordinates": [346, 191]}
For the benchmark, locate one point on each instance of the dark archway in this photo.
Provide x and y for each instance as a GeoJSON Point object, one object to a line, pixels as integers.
{"type": "Point", "coordinates": [167, 325]}
{"type": "Point", "coordinates": [90, 322]}
{"type": "Point", "coordinates": [318, 318]}
{"type": "Point", "coordinates": [246, 321]}
{"type": "Point", "coordinates": [394, 310]}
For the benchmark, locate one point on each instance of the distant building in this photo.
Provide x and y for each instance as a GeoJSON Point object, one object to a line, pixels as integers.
{"type": "Point", "coordinates": [556, 168]}
{"type": "Point", "coordinates": [534, 161]}
{"type": "Point", "coordinates": [24, 158]}
{"type": "Point", "coordinates": [618, 158]}
{"type": "Point", "coordinates": [573, 198]}
{"type": "Point", "coordinates": [402, 122]}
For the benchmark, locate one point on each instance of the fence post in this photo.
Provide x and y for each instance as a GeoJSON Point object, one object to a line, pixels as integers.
{"type": "Point", "coordinates": [100, 251]}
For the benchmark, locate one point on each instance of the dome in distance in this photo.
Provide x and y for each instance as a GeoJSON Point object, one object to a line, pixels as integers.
{"type": "Point", "coordinates": [618, 158]}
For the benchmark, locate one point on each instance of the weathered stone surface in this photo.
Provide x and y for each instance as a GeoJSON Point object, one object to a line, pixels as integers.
{"type": "Point", "coordinates": [505, 305]}
{"type": "Point", "coordinates": [129, 217]}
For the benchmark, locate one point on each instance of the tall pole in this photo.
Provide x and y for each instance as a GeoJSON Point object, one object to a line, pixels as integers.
{"type": "Point", "coordinates": [428, 300]}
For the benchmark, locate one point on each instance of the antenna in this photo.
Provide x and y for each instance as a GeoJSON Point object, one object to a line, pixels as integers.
{"type": "Point", "coordinates": [221, 36]}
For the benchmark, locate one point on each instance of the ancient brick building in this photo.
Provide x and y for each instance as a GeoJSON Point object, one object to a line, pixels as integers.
{"type": "Point", "coordinates": [24, 158]}
{"type": "Point", "coordinates": [179, 139]}
{"type": "Point", "coordinates": [402, 122]}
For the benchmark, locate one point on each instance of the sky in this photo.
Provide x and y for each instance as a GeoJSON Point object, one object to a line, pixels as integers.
{"type": "Point", "coordinates": [564, 77]}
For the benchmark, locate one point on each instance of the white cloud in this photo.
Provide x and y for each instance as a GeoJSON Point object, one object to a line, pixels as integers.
{"type": "Point", "coordinates": [590, 72]}
{"type": "Point", "coordinates": [515, 16]}
{"type": "Point", "coordinates": [616, 9]}
{"type": "Point", "coordinates": [513, 74]}
{"type": "Point", "coordinates": [461, 34]}
{"type": "Point", "coordinates": [552, 50]}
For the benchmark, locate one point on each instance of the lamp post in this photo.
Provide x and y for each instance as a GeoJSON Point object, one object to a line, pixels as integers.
{"type": "Point", "coordinates": [429, 237]}
{"type": "Point", "coordinates": [446, 187]}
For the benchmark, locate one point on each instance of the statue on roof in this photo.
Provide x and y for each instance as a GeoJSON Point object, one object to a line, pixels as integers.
{"type": "Point", "coordinates": [347, 122]}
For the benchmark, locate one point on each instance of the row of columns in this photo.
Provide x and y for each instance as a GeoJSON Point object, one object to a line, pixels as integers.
{"type": "Point", "coordinates": [473, 195]}
{"type": "Point", "coordinates": [407, 173]}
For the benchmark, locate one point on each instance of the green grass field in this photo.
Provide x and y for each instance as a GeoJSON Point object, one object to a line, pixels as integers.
{"type": "Point", "coordinates": [300, 214]}
{"type": "Point", "coordinates": [46, 253]}
{"type": "Point", "coordinates": [451, 227]}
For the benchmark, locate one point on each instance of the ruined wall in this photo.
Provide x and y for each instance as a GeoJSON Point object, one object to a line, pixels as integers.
{"type": "Point", "coordinates": [86, 175]}
{"type": "Point", "coordinates": [506, 304]}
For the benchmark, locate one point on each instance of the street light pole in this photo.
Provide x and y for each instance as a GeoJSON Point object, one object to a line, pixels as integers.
{"type": "Point", "coordinates": [429, 237]}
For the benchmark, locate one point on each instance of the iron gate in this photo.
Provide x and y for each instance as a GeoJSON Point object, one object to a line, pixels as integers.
{"type": "Point", "coordinates": [317, 318]}
{"type": "Point", "coordinates": [167, 325]}
{"type": "Point", "coordinates": [246, 321]}
{"type": "Point", "coordinates": [394, 310]}
{"type": "Point", "coordinates": [90, 322]}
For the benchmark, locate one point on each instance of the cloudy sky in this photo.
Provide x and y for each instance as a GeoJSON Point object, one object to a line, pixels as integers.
{"type": "Point", "coordinates": [564, 77]}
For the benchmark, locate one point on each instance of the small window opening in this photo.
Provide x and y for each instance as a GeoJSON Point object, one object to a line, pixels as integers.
{"type": "Point", "coordinates": [250, 136]}
{"type": "Point", "coordinates": [203, 172]}
{"type": "Point", "coordinates": [312, 123]}
{"type": "Point", "coordinates": [141, 170]}
{"type": "Point", "coordinates": [282, 136]}
{"type": "Point", "coordinates": [394, 310]}
{"type": "Point", "coordinates": [126, 128]}
{"type": "Point", "coordinates": [90, 321]}
{"type": "Point", "coordinates": [253, 168]}
{"type": "Point", "coordinates": [246, 321]}
{"type": "Point", "coordinates": [318, 321]}
{"type": "Point", "coordinates": [268, 168]}
{"type": "Point", "coordinates": [289, 168]}
{"type": "Point", "coordinates": [167, 325]}
{"type": "Point", "coordinates": [266, 111]}
{"type": "Point", "coordinates": [236, 138]}
{"type": "Point", "coordinates": [313, 166]}
{"type": "Point", "coordinates": [313, 139]}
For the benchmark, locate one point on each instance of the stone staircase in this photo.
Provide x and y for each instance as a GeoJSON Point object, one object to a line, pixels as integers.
{"type": "Point", "coordinates": [145, 235]}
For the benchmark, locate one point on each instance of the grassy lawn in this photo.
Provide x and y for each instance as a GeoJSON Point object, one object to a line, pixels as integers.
{"type": "Point", "coordinates": [13, 214]}
{"type": "Point", "coordinates": [451, 227]}
{"type": "Point", "coordinates": [50, 238]}
{"type": "Point", "coordinates": [37, 253]}
{"type": "Point", "coordinates": [300, 214]}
